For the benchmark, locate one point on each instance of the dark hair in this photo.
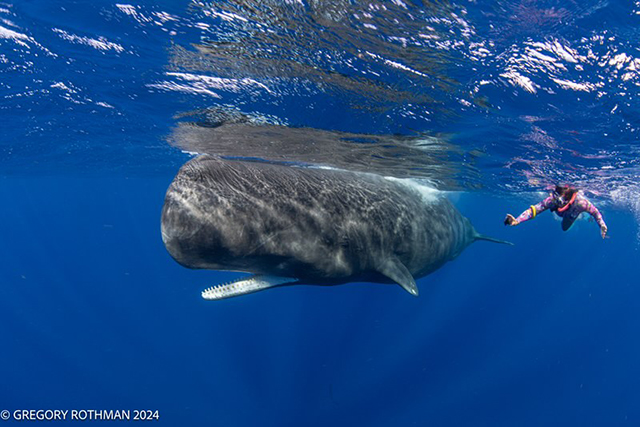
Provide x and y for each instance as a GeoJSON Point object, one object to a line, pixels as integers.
{"type": "Point", "coordinates": [565, 191]}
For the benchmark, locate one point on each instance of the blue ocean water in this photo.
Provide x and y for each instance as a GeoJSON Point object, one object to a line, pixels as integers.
{"type": "Point", "coordinates": [102, 102]}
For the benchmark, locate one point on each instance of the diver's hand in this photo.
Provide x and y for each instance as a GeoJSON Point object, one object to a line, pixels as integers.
{"type": "Point", "coordinates": [603, 231]}
{"type": "Point", "coordinates": [510, 220]}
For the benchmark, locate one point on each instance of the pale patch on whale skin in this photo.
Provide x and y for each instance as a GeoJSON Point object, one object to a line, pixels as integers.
{"type": "Point", "coordinates": [291, 225]}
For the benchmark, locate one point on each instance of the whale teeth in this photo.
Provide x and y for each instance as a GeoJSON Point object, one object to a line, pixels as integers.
{"type": "Point", "coordinates": [244, 286]}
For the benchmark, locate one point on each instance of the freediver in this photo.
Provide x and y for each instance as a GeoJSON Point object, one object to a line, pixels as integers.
{"type": "Point", "coordinates": [568, 203]}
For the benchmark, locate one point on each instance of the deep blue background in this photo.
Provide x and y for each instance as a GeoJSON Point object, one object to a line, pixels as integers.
{"type": "Point", "coordinates": [95, 314]}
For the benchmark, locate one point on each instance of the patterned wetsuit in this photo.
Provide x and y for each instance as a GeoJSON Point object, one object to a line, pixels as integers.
{"type": "Point", "coordinates": [581, 204]}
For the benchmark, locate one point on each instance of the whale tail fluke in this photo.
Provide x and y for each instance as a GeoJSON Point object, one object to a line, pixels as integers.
{"type": "Point", "coordinates": [491, 239]}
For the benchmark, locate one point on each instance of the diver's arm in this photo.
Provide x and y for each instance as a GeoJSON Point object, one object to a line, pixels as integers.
{"type": "Point", "coordinates": [595, 213]}
{"type": "Point", "coordinates": [530, 213]}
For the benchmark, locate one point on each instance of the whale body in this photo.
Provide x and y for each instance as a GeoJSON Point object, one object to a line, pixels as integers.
{"type": "Point", "coordinates": [290, 225]}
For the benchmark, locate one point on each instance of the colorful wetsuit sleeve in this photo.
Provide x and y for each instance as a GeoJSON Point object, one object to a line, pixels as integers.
{"type": "Point", "coordinates": [535, 210]}
{"type": "Point", "coordinates": [593, 211]}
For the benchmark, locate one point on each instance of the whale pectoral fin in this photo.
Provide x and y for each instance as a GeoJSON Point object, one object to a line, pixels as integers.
{"type": "Point", "coordinates": [244, 286]}
{"type": "Point", "coordinates": [396, 271]}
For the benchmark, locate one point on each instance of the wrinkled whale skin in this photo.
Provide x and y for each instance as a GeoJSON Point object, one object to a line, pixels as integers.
{"type": "Point", "coordinates": [320, 226]}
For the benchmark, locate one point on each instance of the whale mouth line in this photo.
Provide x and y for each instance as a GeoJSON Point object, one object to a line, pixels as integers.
{"type": "Point", "coordinates": [245, 285]}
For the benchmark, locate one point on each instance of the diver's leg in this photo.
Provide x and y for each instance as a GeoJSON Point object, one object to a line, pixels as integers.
{"type": "Point", "coordinates": [567, 222]}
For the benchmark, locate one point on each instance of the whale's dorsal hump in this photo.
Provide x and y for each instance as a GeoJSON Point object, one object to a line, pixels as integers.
{"type": "Point", "coordinates": [396, 271]}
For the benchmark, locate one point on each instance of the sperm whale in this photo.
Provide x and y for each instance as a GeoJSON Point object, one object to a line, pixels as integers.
{"type": "Point", "coordinates": [294, 225]}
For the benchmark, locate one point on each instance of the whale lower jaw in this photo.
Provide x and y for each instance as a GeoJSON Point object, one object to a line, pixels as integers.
{"type": "Point", "coordinates": [245, 286]}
